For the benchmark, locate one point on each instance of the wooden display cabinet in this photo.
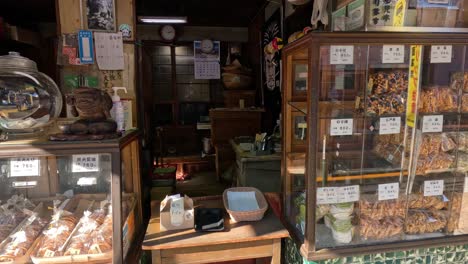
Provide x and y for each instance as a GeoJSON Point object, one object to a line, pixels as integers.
{"type": "Point", "coordinates": [351, 186]}
{"type": "Point", "coordinates": [81, 175]}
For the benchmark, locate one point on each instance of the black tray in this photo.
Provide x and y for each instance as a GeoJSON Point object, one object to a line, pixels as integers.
{"type": "Point", "coordinates": [209, 219]}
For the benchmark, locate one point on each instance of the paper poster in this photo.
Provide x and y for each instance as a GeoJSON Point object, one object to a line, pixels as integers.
{"type": "Point", "coordinates": [109, 51]}
{"type": "Point", "coordinates": [207, 59]}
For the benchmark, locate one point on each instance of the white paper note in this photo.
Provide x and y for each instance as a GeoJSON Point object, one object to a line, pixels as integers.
{"type": "Point", "coordinates": [109, 51]}
{"type": "Point", "coordinates": [242, 201]}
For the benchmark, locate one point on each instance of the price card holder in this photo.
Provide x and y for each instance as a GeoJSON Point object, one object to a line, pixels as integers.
{"type": "Point", "coordinates": [441, 53]}
{"type": "Point", "coordinates": [393, 54]}
{"type": "Point", "coordinates": [390, 125]}
{"type": "Point", "coordinates": [85, 163]}
{"type": "Point", "coordinates": [24, 167]}
{"type": "Point", "coordinates": [327, 195]}
{"type": "Point", "coordinates": [433, 123]}
{"type": "Point", "coordinates": [341, 127]}
{"type": "Point", "coordinates": [341, 54]}
{"type": "Point", "coordinates": [434, 188]}
{"type": "Point", "coordinates": [348, 194]}
{"type": "Point", "coordinates": [388, 191]}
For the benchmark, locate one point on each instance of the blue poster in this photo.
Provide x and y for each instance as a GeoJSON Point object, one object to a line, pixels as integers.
{"type": "Point", "coordinates": [85, 46]}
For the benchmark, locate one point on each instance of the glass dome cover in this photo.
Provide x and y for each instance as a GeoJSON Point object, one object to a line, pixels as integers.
{"type": "Point", "coordinates": [29, 99]}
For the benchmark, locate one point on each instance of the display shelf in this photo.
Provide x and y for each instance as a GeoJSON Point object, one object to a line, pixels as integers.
{"type": "Point", "coordinates": [373, 186]}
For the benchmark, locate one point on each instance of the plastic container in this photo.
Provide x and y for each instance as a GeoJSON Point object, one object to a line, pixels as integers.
{"type": "Point", "coordinates": [117, 111]}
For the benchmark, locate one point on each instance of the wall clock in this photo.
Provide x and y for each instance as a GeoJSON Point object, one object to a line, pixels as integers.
{"type": "Point", "coordinates": [167, 33]}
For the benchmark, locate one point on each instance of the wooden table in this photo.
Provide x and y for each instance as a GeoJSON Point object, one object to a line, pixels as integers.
{"type": "Point", "coordinates": [243, 240]}
{"type": "Point", "coordinates": [262, 172]}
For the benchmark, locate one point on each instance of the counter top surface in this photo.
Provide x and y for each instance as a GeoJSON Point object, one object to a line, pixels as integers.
{"type": "Point", "coordinates": [247, 156]}
{"type": "Point", "coordinates": [269, 227]}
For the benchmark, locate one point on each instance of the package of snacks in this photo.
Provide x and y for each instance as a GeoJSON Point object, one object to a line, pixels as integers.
{"type": "Point", "coordinates": [419, 201]}
{"type": "Point", "coordinates": [438, 99]}
{"type": "Point", "coordinates": [56, 234]}
{"type": "Point", "coordinates": [79, 242]}
{"type": "Point", "coordinates": [22, 239]}
{"type": "Point", "coordinates": [464, 103]}
{"type": "Point", "coordinates": [382, 228]}
{"type": "Point", "coordinates": [421, 222]}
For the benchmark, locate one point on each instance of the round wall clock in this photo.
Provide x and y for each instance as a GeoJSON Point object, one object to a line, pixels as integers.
{"type": "Point", "coordinates": [206, 46]}
{"type": "Point", "coordinates": [167, 33]}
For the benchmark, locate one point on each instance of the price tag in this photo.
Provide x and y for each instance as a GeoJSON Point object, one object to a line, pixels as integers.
{"type": "Point", "coordinates": [20, 167]}
{"type": "Point", "coordinates": [302, 125]}
{"type": "Point", "coordinates": [390, 125]}
{"type": "Point", "coordinates": [441, 54]}
{"type": "Point", "coordinates": [389, 191]}
{"type": "Point", "coordinates": [85, 163]}
{"type": "Point", "coordinates": [341, 127]}
{"type": "Point", "coordinates": [348, 194]}
{"type": "Point", "coordinates": [433, 123]}
{"type": "Point", "coordinates": [327, 195]}
{"type": "Point", "coordinates": [434, 188]}
{"type": "Point", "coordinates": [87, 181]}
{"type": "Point", "coordinates": [393, 54]}
{"type": "Point", "coordinates": [341, 55]}
{"type": "Point", "coordinates": [24, 184]}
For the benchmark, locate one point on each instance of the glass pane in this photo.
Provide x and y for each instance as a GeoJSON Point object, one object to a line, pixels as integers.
{"type": "Point", "coordinates": [294, 142]}
{"type": "Point", "coordinates": [164, 114]}
{"type": "Point", "coordinates": [56, 203]}
{"type": "Point", "coordinates": [193, 92]}
{"type": "Point", "coordinates": [436, 15]}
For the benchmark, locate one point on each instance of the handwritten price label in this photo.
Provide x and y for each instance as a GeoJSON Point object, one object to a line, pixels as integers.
{"type": "Point", "coordinates": [389, 191]}
{"type": "Point", "coordinates": [390, 125]}
{"type": "Point", "coordinates": [341, 55]}
{"type": "Point", "coordinates": [434, 188]}
{"type": "Point", "coordinates": [341, 127]}
{"type": "Point", "coordinates": [433, 123]}
{"type": "Point", "coordinates": [393, 54]}
{"type": "Point", "coordinates": [85, 163]}
{"type": "Point", "coordinates": [20, 167]}
{"type": "Point", "coordinates": [441, 54]}
{"type": "Point", "coordinates": [333, 195]}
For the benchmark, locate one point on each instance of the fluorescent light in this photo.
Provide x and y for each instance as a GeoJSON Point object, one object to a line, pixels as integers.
{"type": "Point", "coordinates": [162, 20]}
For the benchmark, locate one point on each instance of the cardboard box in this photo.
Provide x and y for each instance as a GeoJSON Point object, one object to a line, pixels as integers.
{"type": "Point", "coordinates": [176, 212]}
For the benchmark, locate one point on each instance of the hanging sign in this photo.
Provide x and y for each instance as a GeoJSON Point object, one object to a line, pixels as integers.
{"type": "Point", "coordinates": [85, 47]}
{"type": "Point", "coordinates": [441, 54]}
{"type": "Point", "coordinates": [413, 84]}
{"type": "Point", "coordinates": [393, 54]}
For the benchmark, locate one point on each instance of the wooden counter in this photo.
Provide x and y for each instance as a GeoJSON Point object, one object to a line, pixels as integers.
{"type": "Point", "coordinates": [243, 240]}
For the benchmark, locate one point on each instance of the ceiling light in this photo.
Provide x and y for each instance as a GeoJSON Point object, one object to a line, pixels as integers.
{"type": "Point", "coordinates": [162, 20]}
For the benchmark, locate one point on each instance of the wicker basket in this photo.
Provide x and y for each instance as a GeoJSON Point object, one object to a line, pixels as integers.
{"type": "Point", "coordinates": [246, 215]}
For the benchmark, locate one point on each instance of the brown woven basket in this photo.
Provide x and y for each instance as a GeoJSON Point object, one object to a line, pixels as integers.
{"type": "Point", "coordinates": [254, 215]}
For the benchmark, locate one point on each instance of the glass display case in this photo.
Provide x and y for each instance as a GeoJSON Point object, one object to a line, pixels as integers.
{"type": "Point", "coordinates": [383, 163]}
{"type": "Point", "coordinates": [70, 202]}
{"type": "Point", "coordinates": [400, 15]}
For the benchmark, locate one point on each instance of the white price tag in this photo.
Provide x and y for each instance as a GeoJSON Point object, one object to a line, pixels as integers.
{"type": "Point", "coordinates": [348, 194]}
{"type": "Point", "coordinates": [327, 195]}
{"type": "Point", "coordinates": [441, 54]}
{"type": "Point", "coordinates": [87, 181]}
{"type": "Point", "coordinates": [389, 191]}
{"type": "Point", "coordinates": [393, 54]}
{"type": "Point", "coordinates": [20, 167]}
{"type": "Point", "coordinates": [341, 127]}
{"type": "Point", "coordinates": [434, 188]}
{"type": "Point", "coordinates": [433, 123]}
{"type": "Point", "coordinates": [85, 163]}
{"type": "Point", "coordinates": [24, 184]}
{"type": "Point", "coordinates": [390, 125]}
{"type": "Point", "coordinates": [341, 55]}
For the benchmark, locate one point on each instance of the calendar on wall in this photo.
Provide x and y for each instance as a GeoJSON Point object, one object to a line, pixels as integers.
{"type": "Point", "coordinates": [207, 59]}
